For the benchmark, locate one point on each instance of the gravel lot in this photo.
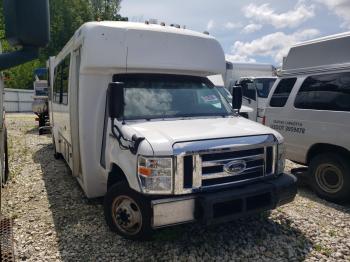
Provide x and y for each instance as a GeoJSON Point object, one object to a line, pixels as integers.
{"type": "Point", "coordinates": [53, 221]}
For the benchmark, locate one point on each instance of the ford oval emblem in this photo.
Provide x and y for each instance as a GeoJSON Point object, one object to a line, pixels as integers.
{"type": "Point", "coordinates": [235, 167]}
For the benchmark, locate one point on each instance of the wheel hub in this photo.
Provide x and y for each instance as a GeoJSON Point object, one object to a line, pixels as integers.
{"type": "Point", "coordinates": [329, 178]}
{"type": "Point", "coordinates": [127, 215]}
{"type": "Point", "coordinates": [123, 217]}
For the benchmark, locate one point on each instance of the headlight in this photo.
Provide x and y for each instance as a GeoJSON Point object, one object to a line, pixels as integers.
{"type": "Point", "coordinates": [155, 174]}
{"type": "Point", "coordinates": [281, 158]}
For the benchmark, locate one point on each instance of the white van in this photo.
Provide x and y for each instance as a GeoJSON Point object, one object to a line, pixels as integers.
{"type": "Point", "coordinates": [310, 105]}
{"type": "Point", "coordinates": [132, 114]}
{"type": "Point", "coordinates": [218, 81]}
{"type": "Point", "coordinates": [255, 91]}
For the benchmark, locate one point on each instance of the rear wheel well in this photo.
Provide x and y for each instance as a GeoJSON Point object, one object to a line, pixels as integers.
{"type": "Point", "coordinates": [115, 176]}
{"type": "Point", "coordinates": [326, 148]}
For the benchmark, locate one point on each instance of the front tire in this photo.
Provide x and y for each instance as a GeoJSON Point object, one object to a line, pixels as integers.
{"type": "Point", "coordinates": [127, 212]}
{"type": "Point", "coordinates": [330, 177]}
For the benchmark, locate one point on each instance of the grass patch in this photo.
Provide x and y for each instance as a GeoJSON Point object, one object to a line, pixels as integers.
{"type": "Point", "coordinates": [332, 233]}
{"type": "Point", "coordinates": [324, 250]}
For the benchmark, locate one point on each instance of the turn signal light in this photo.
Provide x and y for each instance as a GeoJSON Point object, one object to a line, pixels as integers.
{"type": "Point", "coordinates": [145, 171]}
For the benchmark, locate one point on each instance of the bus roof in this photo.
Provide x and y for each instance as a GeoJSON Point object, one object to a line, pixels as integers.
{"type": "Point", "coordinates": [138, 47]}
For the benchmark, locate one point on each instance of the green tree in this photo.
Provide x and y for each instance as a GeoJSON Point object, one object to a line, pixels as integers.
{"type": "Point", "coordinates": [106, 10]}
{"type": "Point", "coordinates": [21, 76]}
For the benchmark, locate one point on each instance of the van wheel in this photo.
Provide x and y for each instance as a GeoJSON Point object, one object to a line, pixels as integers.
{"type": "Point", "coordinates": [330, 177]}
{"type": "Point", "coordinates": [127, 213]}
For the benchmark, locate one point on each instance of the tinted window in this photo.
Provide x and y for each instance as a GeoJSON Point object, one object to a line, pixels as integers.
{"type": "Point", "coordinates": [282, 91]}
{"type": "Point", "coordinates": [60, 86]}
{"type": "Point", "coordinates": [65, 79]}
{"type": "Point", "coordinates": [56, 94]}
{"type": "Point", "coordinates": [263, 86]}
{"type": "Point", "coordinates": [325, 92]}
{"type": "Point", "coordinates": [248, 89]}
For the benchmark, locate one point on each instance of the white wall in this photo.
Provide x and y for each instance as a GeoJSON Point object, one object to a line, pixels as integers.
{"type": "Point", "coordinates": [18, 100]}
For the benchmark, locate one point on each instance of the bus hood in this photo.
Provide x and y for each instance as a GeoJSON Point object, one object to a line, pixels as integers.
{"type": "Point", "coordinates": [163, 134]}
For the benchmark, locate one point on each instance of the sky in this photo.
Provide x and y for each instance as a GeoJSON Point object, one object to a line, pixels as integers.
{"type": "Point", "coordinates": [252, 30]}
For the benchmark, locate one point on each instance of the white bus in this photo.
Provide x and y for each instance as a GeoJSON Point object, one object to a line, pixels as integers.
{"type": "Point", "coordinates": [138, 122]}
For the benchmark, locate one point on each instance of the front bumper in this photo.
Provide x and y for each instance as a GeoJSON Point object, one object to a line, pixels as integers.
{"type": "Point", "coordinates": [223, 206]}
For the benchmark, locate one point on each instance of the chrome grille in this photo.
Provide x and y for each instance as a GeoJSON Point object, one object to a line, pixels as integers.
{"type": "Point", "coordinates": [200, 165]}
{"type": "Point", "coordinates": [255, 166]}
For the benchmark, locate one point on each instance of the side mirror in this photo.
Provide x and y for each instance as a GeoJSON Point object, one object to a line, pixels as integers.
{"type": "Point", "coordinates": [237, 97]}
{"type": "Point", "coordinates": [115, 98]}
{"type": "Point", "coordinates": [27, 24]}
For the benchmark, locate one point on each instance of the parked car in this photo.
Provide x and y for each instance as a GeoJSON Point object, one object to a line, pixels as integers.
{"type": "Point", "coordinates": [217, 80]}
{"type": "Point", "coordinates": [255, 92]}
{"type": "Point", "coordinates": [310, 106]}
{"type": "Point", "coordinates": [136, 123]}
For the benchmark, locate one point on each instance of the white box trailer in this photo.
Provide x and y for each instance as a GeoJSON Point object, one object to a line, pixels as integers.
{"type": "Point", "coordinates": [133, 115]}
{"type": "Point", "coordinates": [310, 105]}
{"type": "Point", "coordinates": [236, 70]}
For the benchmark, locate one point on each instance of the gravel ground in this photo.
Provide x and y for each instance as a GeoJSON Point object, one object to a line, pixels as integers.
{"type": "Point", "coordinates": [53, 221]}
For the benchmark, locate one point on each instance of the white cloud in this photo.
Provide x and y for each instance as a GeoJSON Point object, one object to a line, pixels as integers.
{"type": "Point", "coordinates": [251, 28]}
{"type": "Point", "coordinates": [293, 18]}
{"type": "Point", "coordinates": [210, 24]}
{"type": "Point", "coordinates": [340, 7]}
{"type": "Point", "coordinates": [231, 25]}
{"type": "Point", "coordinates": [275, 45]}
{"type": "Point", "coordinates": [240, 58]}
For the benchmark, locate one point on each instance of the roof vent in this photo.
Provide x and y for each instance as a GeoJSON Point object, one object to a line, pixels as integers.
{"type": "Point", "coordinates": [206, 32]}
{"type": "Point", "coordinates": [175, 25]}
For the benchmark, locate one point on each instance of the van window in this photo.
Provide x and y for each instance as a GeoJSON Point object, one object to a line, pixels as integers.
{"type": "Point", "coordinates": [282, 91]}
{"type": "Point", "coordinates": [65, 79]}
{"type": "Point", "coordinates": [325, 92]}
{"type": "Point", "coordinates": [248, 89]}
{"type": "Point", "coordinates": [263, 86]}
{"type": "Point", "coordinates": [56, 94]}
{"type": "Point", "coordinates": [61, 80]}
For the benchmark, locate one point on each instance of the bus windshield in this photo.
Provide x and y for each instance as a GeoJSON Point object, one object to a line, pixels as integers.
{"type": "Point", "coordinates": [167, 96]}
